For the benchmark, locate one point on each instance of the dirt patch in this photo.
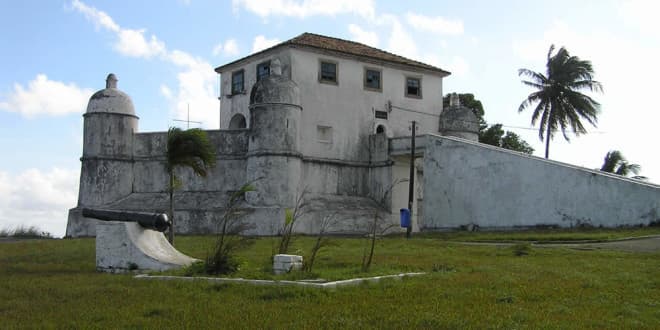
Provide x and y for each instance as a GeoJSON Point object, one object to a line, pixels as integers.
{"type": "Point", "coordinates": [648, 244]}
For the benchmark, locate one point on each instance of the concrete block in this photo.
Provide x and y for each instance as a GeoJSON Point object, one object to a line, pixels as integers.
{"type": "Point", "coordinates": [284, 263]}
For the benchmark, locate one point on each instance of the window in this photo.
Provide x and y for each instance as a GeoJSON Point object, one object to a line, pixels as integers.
{"type": "Point", "coordinates": [372, 79]}
{"type": "Point", "coordinates": [263, 70]}
{"type": "Point", "coordinates": [237, 85]}
{"type": "Point", "coordinates": [413, 87]}
{"type": "Point", "coordinates": [324, 134]}
{"type": "Point", "coordinates": [328, 72]}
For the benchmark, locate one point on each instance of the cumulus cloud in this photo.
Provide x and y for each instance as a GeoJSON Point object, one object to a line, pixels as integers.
{"type": "Point", "coordinates": [306, 8]}
{"type": "Point", "coordinates": [99, 18]}
{"type": "Point", "coordinates": [458, 66]}
{"type": "Point", "coordinates": [43, 96]}
{"type": "Point", "coordinates": [642, 14]}
{"type": "Point", "coordinates": [260, 43]}
{"type": "Point", "coordinates": [166, 91]}
{"type": "Point", "coordinates": [366, 37]}
{"type": "Point", "coordinates": [437, 24]}
{"type": "Point", "coordinates": [534, 50]}
{"type": "Point", "coordinates": [400, 41]}
{"type": "Point", "coordinates": [38, 198]}
{"type": "Point", "coordinates": [130, 42]}
{"type": "Point", "coordinates": [228, 48]}
{"type": "Point", "coordinates": [196, 80]}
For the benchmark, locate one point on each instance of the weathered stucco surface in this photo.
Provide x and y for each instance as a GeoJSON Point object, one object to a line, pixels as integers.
{"type": "Point", "coordinates": [126, 246]}
{"type": "Point", "coordinates": [471, 183]}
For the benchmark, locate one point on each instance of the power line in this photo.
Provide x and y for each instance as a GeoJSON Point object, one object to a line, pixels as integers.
{"type": "Point", "coordinates": [473, 122]}
{"type": "Point", "coordinates": [536, 129]}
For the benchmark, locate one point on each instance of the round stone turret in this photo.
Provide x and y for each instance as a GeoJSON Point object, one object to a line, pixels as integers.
{"type": "Point", "coordinates": [274, 158]}
{"type": "Point", "coordinates": [275, 88]}
{"type": "Point", "coordinates": [275, 111]}
{"type": "Point", "coordinates": [107, 159]}
{"type": "Point", "coordinates": [459, 121]}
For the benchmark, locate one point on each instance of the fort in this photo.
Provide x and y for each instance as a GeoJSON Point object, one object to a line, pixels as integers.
{"type": "Point", "coordinates": [333, 119]}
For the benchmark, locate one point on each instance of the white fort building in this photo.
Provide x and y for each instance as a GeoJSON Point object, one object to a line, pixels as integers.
{"type": "Point", "coordinates": [333, 118]}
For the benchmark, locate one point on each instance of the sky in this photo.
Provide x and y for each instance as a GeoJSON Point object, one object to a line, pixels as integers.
{"type": "Point", "coordinates": [56, 54]}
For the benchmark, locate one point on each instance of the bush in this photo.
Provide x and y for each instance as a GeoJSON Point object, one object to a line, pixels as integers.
{"type": "Point", "coordinates": [228, 240]}
{"type": "Point", "coordinates": [25, 232]}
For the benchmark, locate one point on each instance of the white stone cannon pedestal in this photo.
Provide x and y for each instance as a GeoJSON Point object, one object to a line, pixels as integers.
{"type": "Point", "coordinates": [284, 263]}
{"type": "Point", "coordinates": [127, 246]}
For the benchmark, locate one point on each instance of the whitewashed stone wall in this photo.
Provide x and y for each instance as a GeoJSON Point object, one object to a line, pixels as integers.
{"type": "Point", "coordinates": [471, 183]}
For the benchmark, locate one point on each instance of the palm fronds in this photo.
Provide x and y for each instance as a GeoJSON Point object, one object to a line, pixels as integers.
{"type": "Point", "coordinates": [559, 103]}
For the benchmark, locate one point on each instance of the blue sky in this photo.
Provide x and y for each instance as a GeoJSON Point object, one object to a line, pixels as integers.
{"type": "Point", "coordinates": [55, 54]}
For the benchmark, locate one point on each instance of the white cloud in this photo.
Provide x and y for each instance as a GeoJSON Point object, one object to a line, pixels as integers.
{"type": "Point", "coordinates": [400, 42]}
{"type": "Point", "coordinates": [166, 91]}
{"type": "Point", "coordinates": [228, 48]}
{"type": "Point", "coordinates": [260, 43]}
{"type": "Point", "coordinates": [642, 14]}
{"type": "Point", "coordinates": [196, 80]}
{"type": "Point", "coordinates": [99, 18]}
{"type": "Point", "coordinates": [132, 43]}
{"type": "Point", "coordinates": [38, 198]}
{"type": "Point", "coordinates": [46, 97]}
{"type": "Point", "coordinates": [306, 8]}
{"type": "Point", "coordinates": [458, 66]}
{"type": "Point", "coordinates": [438, 24]}
{"type": "Point", "coordinates": [366, 37]}
{"type": "Point", "coordinates": [536, 50]}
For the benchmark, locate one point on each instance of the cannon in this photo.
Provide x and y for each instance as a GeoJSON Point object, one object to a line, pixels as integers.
{"type": "Point", "coordinates": [154, 221]}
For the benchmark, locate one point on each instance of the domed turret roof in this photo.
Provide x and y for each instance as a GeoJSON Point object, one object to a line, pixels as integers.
{"type": "Point", "coordinates": [275, 88]}
{"type": "Point", "coordinates": [111, 99]}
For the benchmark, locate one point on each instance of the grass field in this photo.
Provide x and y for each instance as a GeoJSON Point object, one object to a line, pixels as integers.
{"type": "Point", "coordinates": [53, 284]}
{"type": "Point", "coordinates": [548, 235]}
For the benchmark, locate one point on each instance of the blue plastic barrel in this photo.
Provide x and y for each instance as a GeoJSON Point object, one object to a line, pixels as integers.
{"type": "Point", "coordinates": [405, 218]}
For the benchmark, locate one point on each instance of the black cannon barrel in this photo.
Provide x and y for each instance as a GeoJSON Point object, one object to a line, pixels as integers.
{"type": "Point", "coordinates": [155, 221]}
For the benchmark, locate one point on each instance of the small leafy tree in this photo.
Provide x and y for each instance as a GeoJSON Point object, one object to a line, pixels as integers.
{"type": "Point", "coordinates": [322, 239]}
{"type": "Point", "coordinates": [291, 216]}
{"type": "Point", "coordinates": [495, 136]}
{"type": "Point", "coordinates": [228, 240]}
{"type": "Point", "coordinates": [377, 227]}
{"type": "Point", "coordinates": [190, 148]}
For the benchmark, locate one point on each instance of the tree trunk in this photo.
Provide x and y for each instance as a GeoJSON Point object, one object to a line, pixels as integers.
{"type": "Point", "coordinates": [547, 142]}
{"type": "Point", "coordinates": [170, 234]}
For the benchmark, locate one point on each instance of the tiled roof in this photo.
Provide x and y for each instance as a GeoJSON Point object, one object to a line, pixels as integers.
{"type": "Point", "coordinates": [311, 40]}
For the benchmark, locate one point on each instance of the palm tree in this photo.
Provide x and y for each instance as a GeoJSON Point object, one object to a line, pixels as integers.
{"type": "Point", "coordinates": [560, 104]}
{"type": "Point", "coordinates": [615, 163]}
{"type": "Point", "coordinates": [189, 148]}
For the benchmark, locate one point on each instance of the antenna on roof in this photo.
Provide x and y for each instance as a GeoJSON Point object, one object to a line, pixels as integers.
{"type": "Point", "coordinates": [188, 121]}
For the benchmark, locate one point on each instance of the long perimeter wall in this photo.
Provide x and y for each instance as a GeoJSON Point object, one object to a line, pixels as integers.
{"type": "Point", "coordinates": [470, 183]}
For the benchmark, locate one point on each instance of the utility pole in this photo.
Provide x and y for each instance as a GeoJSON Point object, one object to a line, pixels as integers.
{"type": "Point", "coordinates": [411, 182]}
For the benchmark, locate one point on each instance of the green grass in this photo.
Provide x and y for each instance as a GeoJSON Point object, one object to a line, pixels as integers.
{"type": "Point", "coordinates": [53, 284]}
{"type": "Point", "coordinates": [547, 235]}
